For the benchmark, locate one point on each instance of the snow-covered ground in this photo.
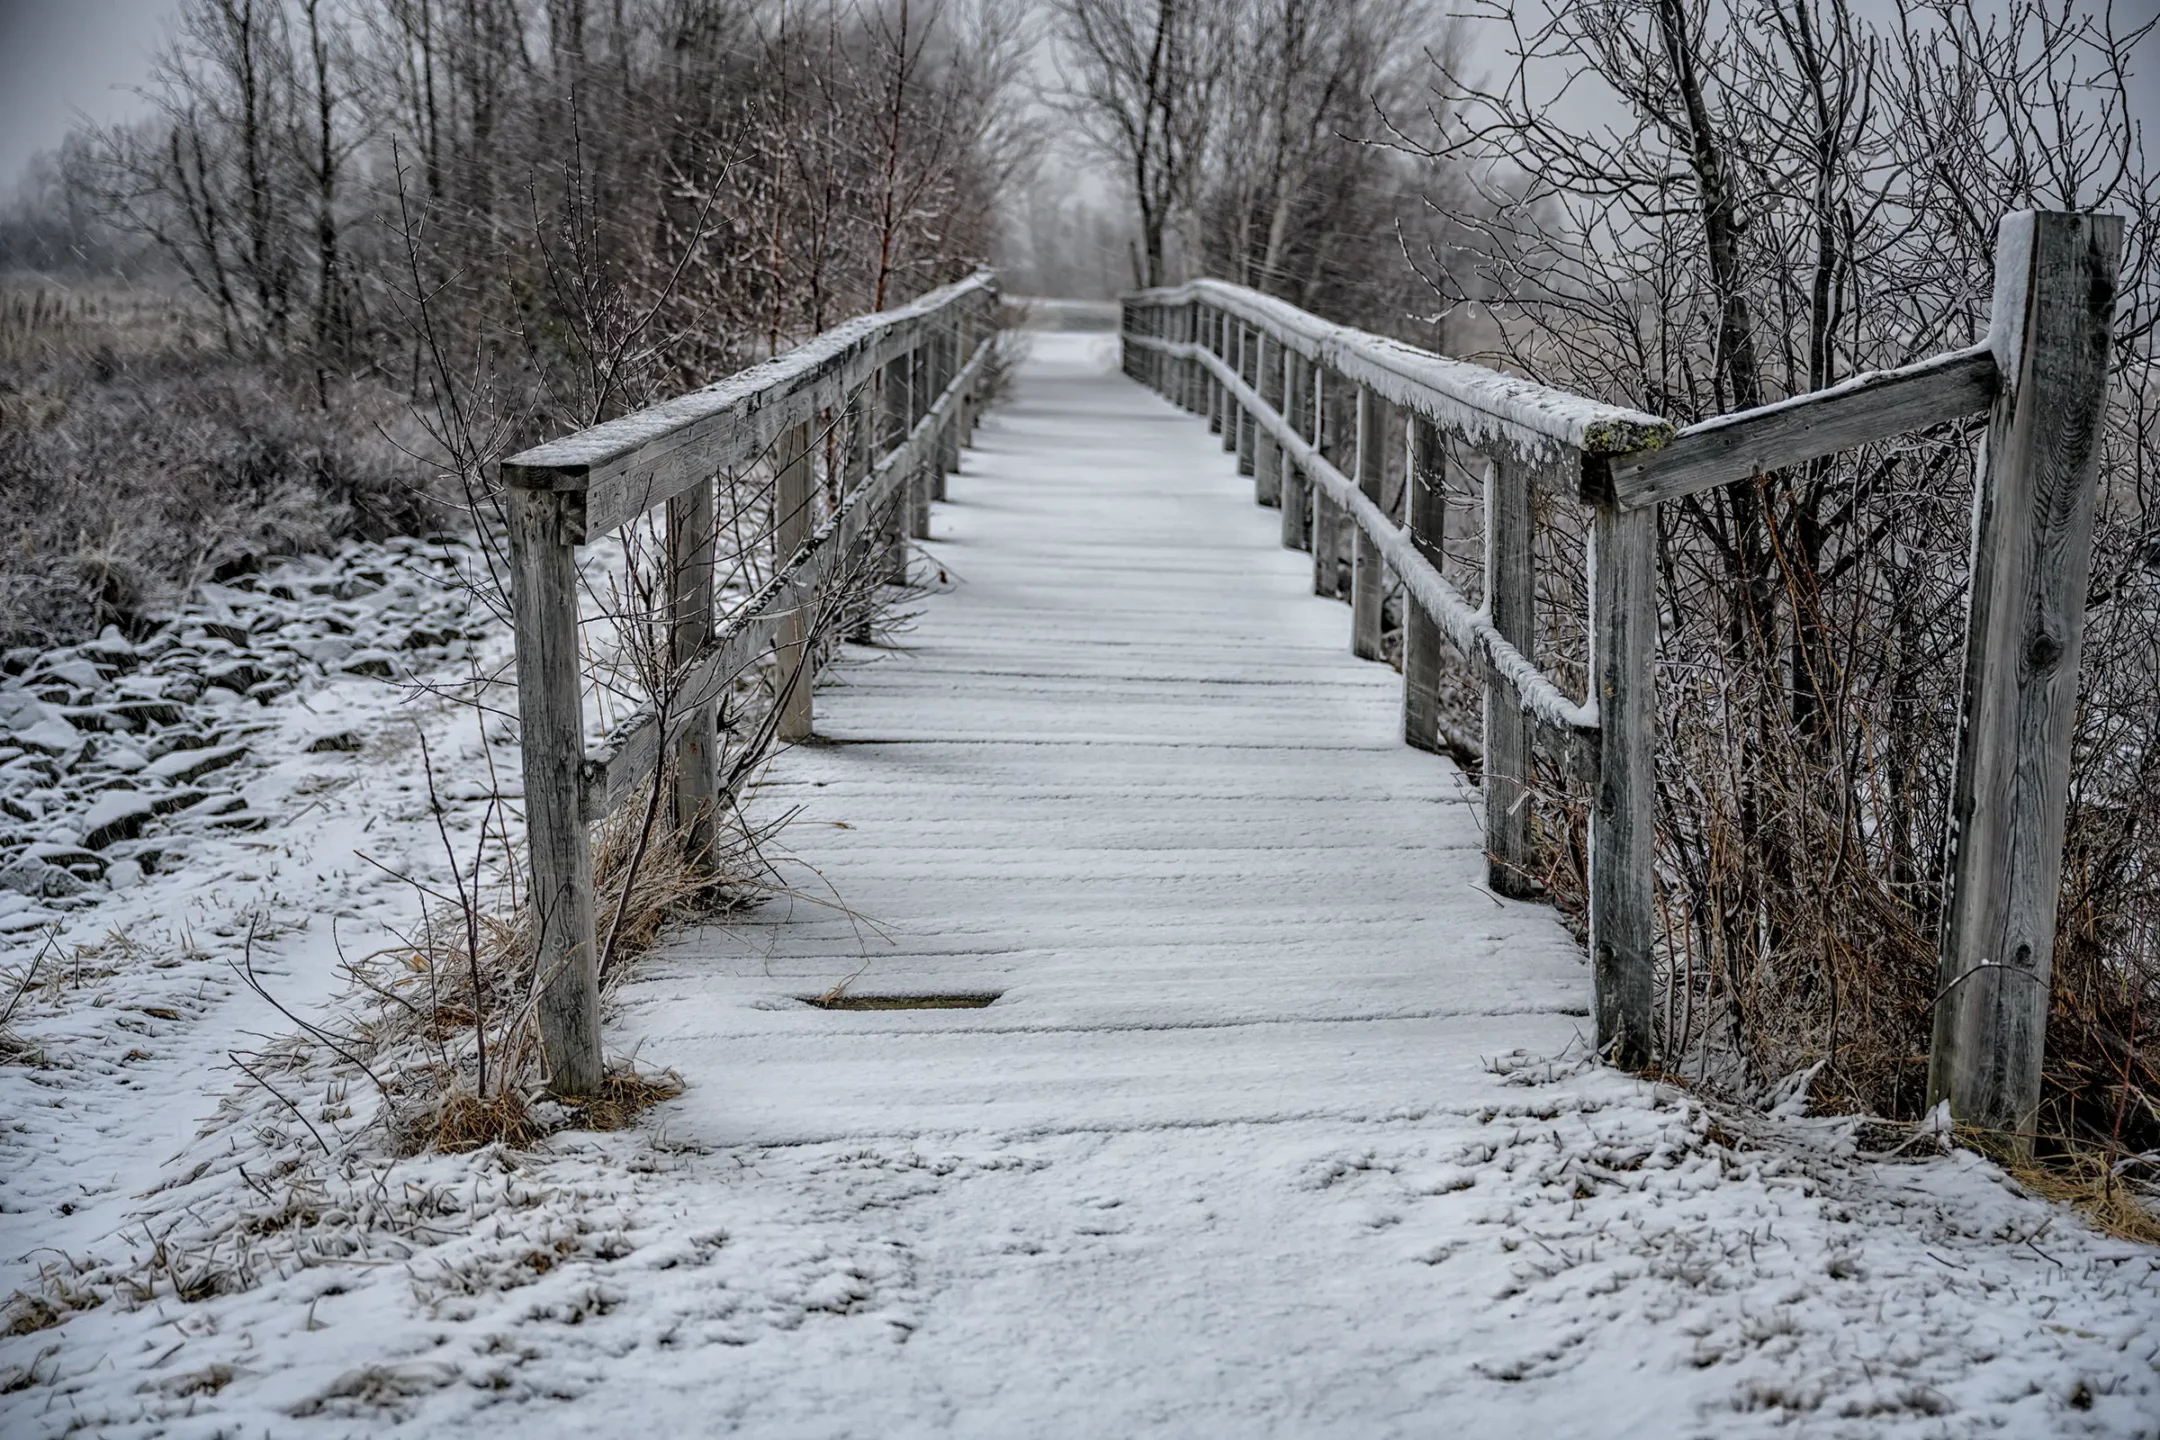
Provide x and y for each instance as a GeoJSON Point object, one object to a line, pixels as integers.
{"type": "Point", "coordinates": [1278, 1125]}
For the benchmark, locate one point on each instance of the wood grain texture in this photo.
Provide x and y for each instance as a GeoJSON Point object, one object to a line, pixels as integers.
{"type": "Point", "coordinates": [2032, 555]}
{"type": "Point", "coordinates": [544, 603]}
{"type": "Point", "coordinates": [920, 373]}
{"type": "Point", "coordinates": [1213, 343]}
{"type": "Point", "coordinates": [1296, 497]}
{"type": "Point", "coordinates": [1326, 512]}
{"type": "Point", "coordinates": [794, 500]}
{"type": "Point", "coordinates": [1511, 602]}
{"type": "Point", "coordinates": [1376, 427]}
{"type": "Point", "coordinates": [1623, 647]}
{"type": "Point", "coordinates": [894, 421]}
{"type": "Point", "coordinates": [947, 351]}
{"type": "Point", "coordinates": [875, 541]}
{"type": "Point", "coordinates": [1425, 507]}
{"type": "Point", "coordinates": [1485, 406]}
{"type": "Point", "coordinates": [1864, 409]}
{"type": "Point", "coordinates": [626, 466]}
{"type": "Point", "coordinates": [697, 752]}
{"type": "Point", "coordinates": [1248, 429]}
{"type": "Point", "coordinates": [1267, 465]}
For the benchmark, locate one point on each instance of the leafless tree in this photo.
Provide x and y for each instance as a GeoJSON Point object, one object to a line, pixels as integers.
{"type": "Point", "coordinates": [1144, 76]}
{"type": "Point", "coordinates": [1798, 191]}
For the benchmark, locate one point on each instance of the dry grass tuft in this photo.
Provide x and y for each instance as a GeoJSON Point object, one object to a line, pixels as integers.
{"type": "Point", "coordinates": [460, 1121]}
{"type": "Point", "coordinates": [452, 1041]}
{"type": "Point", "coordinates": [2088, 1183]}
{"type": "Point", "coordinates": [624, 1095]}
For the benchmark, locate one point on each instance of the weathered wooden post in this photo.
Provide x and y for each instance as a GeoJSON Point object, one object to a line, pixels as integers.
{"type": "Point", "coordinates": [894, 420]}
{"type": "Point", "coordinates": [1267, 462]}
{"type": "Point", "coordinates": [862, 417]}
{"type": "Point", "coordinates": [1195, 375]}
{"type": "Point", "coordinates": [921, 376]}
{"type": "Point", "coordinates": [964, 347]}
{"type": "Point", "coordinates": [1511, 597]}
{"type": "Point", "coordinates": [1425, 510]}
{"type": "Point", "coordinates": [1298, 373]}
{"type": "Point", "coordinates": [2055, 281]}
{"type": "Point", "coordinates": [794, 514]}
{"type": "Point", "coordinates": [1326, 514]}
{"type": "Point", "coordinates": [1623, 683]}
{"type": "Point", "coordinates": [1233, 350]}
{"type": "Point", "coordinates": [1368, 573]}
{"type": "Point", "coordinates": [1248, 430]}
{"type": "Point", "coordinates": [1215, 386]}
{"type": "Point", "coordinates": [945, 460]}
{"type": "Point", "coordinates": [544, 525]}
{"type": "Point", "coordinates": [690, 585]}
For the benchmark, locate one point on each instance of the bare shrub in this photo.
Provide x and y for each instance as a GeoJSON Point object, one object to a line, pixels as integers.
{"type": "Point", "coordinates": [133, 464]}
{"type": "Point", "coordinates": [1801, 192]}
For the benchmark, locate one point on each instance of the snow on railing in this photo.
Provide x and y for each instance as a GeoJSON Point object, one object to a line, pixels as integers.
{"type": "Point", "coordinates": [1260, 368]}
{"type": "Point", "coordinates": [903, 387]}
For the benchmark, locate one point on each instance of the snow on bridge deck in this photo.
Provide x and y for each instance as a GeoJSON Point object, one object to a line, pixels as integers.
{"type": "Point", "coordinates": [1126, 774]}
{"type": "Point", "coordinates": [1257, 1141]}
{"type": "Point", "coordinates": [1262, 1136]}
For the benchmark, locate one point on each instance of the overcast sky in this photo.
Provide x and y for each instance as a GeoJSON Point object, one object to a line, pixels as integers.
{"type": "Point", "coordinates": [61, 59]}
{"type": "Point", "coordinates": [58, 57]}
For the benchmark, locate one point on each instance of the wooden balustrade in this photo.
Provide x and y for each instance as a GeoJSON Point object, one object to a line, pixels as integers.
{"type": "Point", "coordinates": [2041, 375]}
{"type": "Point", "coordinates": [900, 387]}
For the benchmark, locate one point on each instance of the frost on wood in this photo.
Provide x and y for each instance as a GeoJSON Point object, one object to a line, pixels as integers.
{"type": "Point", "coordinates": [1259, 1137]}
{"type": "Point", "coordinates": [1482, 405]}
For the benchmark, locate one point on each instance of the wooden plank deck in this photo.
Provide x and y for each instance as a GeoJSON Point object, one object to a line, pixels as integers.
{"type": "Point", "coordinates": [1126, 774]}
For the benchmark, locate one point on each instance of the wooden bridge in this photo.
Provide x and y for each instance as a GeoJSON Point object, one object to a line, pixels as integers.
{"type": "Point", "coordinates": [1130, 777]}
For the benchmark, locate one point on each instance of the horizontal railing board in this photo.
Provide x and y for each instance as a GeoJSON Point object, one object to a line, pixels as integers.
{"type": "Point", "coordinates": [626, 466]}
{"type": "Point", "coordinates": [1484, 405]}
{"type": "Point", "coordinates": [632, 750]}
{"type": "Point", "coordinates": [1862, 410]}
{"type": "Point", "coordinates": [1569, 726]}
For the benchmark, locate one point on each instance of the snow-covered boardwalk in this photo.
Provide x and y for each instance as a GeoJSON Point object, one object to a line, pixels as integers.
{"type": "Point", "coordinates": [1126, 775]}
{"type": "Point", "coordinates": [1280, 1125]}
{"type": "Point", "coordinates": [1274, 1127]}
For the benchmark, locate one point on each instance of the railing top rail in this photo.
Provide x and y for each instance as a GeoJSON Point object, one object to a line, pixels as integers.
{"type": "Point", "coordinates": [1484, 405]}
{"type": "Point", "coordinates": [631, 463]}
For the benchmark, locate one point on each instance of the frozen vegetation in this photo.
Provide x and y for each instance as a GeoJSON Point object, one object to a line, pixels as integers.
{"type": "Point", "coordinates": [1278, 1124]}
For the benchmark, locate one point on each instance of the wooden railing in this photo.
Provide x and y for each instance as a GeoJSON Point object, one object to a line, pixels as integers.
{"type": "Point", "coordinates": [1261, 369]}
{"type": "Point", "coordinates": [899, 390]}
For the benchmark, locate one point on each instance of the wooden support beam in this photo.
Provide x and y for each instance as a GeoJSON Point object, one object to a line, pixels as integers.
{"type": "Point", "coordinates": [1195, 374]}
{"type": "Point", "coordinates": [551, 737]}
{"type": "Point", "coordinates": [697, 747]}
{"type": "Point", "coordinates": [2055, 284]}
{"type": "Point", "coordinates": [861, 443]}
{"type": "Point", "coordinates": [1376, 428]}
{"type": "Point", "coordinates": [795, 516]}
{"type": "Point", "coordinates": [919, 393]}
{"type": "Point", "coordinates": [1296, 496]}
{"type": "Point", "coordinates": [1233, 413]}
{"type": "Point", "coordinates": [1511, 601]}
{"type": "Point", "coordinates": [894, 422]}
{"type": "Point", "coordinates": [1623, 680]}
{"type": "Point", "coordinates": [944, 347]}
{"type": "Point", "coordinates": [628, 465]}
{"type": "Point", "coordinates": [1864, 409]}
{"type": "Point", "coordinates": [1212, 338]}
{"type": "Point", "coordinates": [1267, 467]}
{"type": "Point", "coordinates": [1425, 508]}
{"type": "Point", "coordinates": [1248, 432]}
{"type": "Point", "coordinates": [1326, 514]}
